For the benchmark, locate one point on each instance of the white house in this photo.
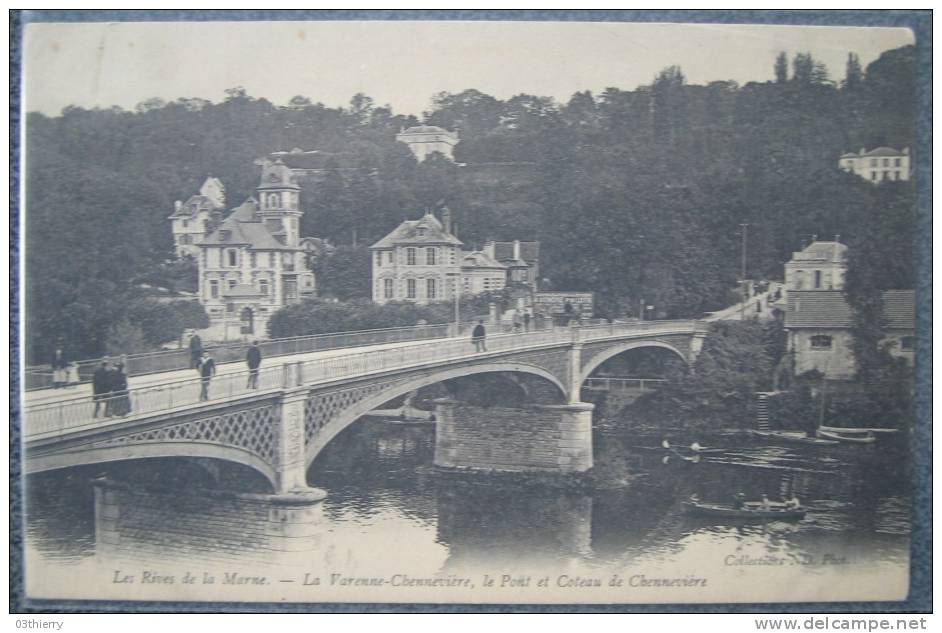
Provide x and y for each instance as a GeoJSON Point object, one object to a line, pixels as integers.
{"type": "Point", "coordinates": [818, 266]}
{"type": "Point", "coordinates": [877, 165]}
{"type": "Point", "coordinates": [425, 139]}
{"type": "Point", "coordinates": [194, 219]}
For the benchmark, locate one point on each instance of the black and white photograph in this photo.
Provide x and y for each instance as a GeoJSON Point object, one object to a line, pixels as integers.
{"type": "Point", "coordinates": [470, 311]}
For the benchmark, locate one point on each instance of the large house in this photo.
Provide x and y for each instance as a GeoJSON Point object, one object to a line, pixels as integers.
{"type": "Point", "coordinates": [423, 140]}
{"type": "Point", "coordinates": [818, 323]}
{"type": "Point", "coordinates": [253, 263]}
{"type": "Point", "coordinates": [818, 318]}
{"type": "Point", "coordinates": [421, 260]}
{"type": "Point", "coordinates": [194, 219]}
{"type": "Point", "coordinates": [877, 165]}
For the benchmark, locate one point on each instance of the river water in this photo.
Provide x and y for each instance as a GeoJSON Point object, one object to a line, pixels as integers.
{"type": "Point", "coordinates": [393, 528]}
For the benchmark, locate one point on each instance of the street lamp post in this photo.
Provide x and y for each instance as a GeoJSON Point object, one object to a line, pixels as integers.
{"type": "Point", "coordinates": [742, 306]}
{"type": "Point", "coordinates": [641, 277]}
{"type": "Point", "coordinates": [456, 277]}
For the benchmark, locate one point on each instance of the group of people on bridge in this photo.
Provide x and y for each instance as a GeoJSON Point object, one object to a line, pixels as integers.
{"type": "Point", "coordinates": [110, 389]}
{"type": "Point", "coordinates": [205, 365]}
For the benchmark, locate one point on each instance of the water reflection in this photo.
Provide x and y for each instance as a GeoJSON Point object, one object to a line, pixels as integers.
{"type": "Point", "coordinates": [390, 510]}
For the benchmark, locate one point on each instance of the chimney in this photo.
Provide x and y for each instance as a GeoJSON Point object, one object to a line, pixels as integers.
{"type": "Point", "coordinates": [489, 248]}
{"type": "Point", "coordinates": [516, 249]}
{"type": "Point", "coordinates": [455, 231]}
{"type": "Point", "coordinates": [446, 219]}
{"type": "Point", "coordinates": [177, 205]}
{"type": "Point", "coordinates": [863, 151]}
{"type": "Point", "coordinates": [837, 238]}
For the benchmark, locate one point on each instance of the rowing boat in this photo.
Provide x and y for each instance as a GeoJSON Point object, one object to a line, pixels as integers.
{"type": "Point", "coordinates": [794, 437]}
{"type": "Point", "coordinates": [856, 431]}
{"type": "Point", "coordinates": [749, 513]}
{"type": "Point", "coordinates": [851, 438]}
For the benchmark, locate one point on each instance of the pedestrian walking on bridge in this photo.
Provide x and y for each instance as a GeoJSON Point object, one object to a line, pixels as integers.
{"type": "Point", "coordinates": [207, 369]}
{"type": "Point", "coordinates": [196, 351]}
{"type": "Point", "coordinates": [101, 388]}
{"type": "Point", "coordinates": [254, 360]}
{"type": "Point", "coordinates": [477, 337]}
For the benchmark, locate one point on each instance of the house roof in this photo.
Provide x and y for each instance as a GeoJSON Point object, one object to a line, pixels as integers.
{"type": "Point", "coordinates": [426, 230]}
{"type": "Point", "coordinates": [245, 228]}
{"type": "Point", "coordinates": [883, 151]}
{"type": "Point", "coordinates": [277, 175]}
{"type": "Point", "coordinates": [821, 252]}
{"type": "Point", "coordinates": [829, 309]}
{"type": "Point", "coordinates": [480, 259]}
{"type": "Point", "coordinates": [425, 129]}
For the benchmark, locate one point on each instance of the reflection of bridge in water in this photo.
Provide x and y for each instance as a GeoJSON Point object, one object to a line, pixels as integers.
{"type": "Point", "coordinates": [303, 401]}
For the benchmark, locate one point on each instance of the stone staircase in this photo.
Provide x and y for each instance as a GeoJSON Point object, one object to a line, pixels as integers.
{"type": "Point", "coordinates": [762, 411]}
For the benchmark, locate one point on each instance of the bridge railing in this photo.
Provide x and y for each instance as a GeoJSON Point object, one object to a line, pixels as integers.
{"type": "Point", "coordinates": [63, 415]}
{"type": "Point", "coordinates": [40, 376]}
{"type": "Point", "coordinates": [613, 383]}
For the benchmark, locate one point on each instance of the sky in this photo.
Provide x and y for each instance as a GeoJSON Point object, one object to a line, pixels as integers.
{"type": "Point", "coordinates": [404, 64]}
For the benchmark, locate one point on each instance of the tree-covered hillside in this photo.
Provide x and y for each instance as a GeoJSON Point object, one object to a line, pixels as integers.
{"type": "Point", "coordinates": [632, 192]}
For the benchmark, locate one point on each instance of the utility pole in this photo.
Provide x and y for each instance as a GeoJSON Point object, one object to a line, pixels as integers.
{"type": "Point", "coordinates": [641, 277]}
{"type": "Point", "coordinates": [742, 306]}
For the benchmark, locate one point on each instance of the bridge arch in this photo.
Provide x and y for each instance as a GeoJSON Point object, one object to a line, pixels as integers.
{"type": "Point", "coordinates": [103, 454]}
{"type": "Point", "coordinates": [330, 430]}
{"type": "Point", "coordinates": [615, 350]}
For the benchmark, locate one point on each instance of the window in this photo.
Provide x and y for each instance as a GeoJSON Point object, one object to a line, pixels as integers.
{"type": "Point", "coordinates": [873, 175]}
{"type": "Point", "coordinates": [388, 288]}
{"type": "Point", "coordinates": [213, 289]}
{"type": "Point", "coordinates": [232, 257]}
{"type": "Point", "coordinates": [225, 235]}
{"type": "Point", "coordinates": [907, 343]}
{"type": "Point", "coordinates": [273, 201]}
{"type": "Point", "coordinates": [886, 162]}
{"type": "Point", "coordinates": [420, 231]}
{"type": "Point", "coordinates": [186, 223]}
{"type": "Point", "coordinates": [896, 163]}
{"type": "Point", "coordinates": [389, 257]}
{"type": "Point", "coordinates": [185, 239]}
{"type": "Point", "coordinates": [430, 256]}
{"type": "Point", "coordinates": [410, 288]}
{"type": "Point", "coordinates": [271, 260]}
{"type": "Point", "coordinates": [410, 256]}
{"type": "Point", "coordinates": [821, 341]}
{"type": "Point", "coordinates": [430, 288]}
{"type": "Point", "coordinates": [525, 275]}
{"type": "Point", "coordinates": [231, 283]}
{"type": "Point", "coordinates": [817, 279]}
{"type": "Point", "coordinates": [897, 175]}
{"type": "Point", "coordinates": [253, 260]}
{"type": "Point", "coordinates": [874, 162]}
{"type": "Point", "coordinates": [263, 286]}
{"type": "Point", "coordinates": [379, 258]}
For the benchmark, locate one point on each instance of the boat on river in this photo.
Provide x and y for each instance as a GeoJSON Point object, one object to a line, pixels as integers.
{"type": "Point", "coordinates": [794, 437]}
{"type": "Point", "coordinates": [749, 512]}
{"type": "Point", "coordinates": [850, 438]}
{"type": "Point", "coordinates": [857, 431]}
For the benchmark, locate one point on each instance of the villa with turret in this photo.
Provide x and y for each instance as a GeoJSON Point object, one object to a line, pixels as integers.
{"type": "Point", "coordinates": [252, 261]}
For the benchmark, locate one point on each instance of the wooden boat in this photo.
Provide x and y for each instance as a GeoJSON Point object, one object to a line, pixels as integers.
{"type": "Point", "coordinates": [851, 438]}
{"type": "Point", "coordinates": [794, 437]}
{"type": "Point", "coordinates": [750, 512]}
{"type": "Point", "coordinates": [856, 431]}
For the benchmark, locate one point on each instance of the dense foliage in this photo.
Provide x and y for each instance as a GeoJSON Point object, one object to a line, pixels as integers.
{"type": "Point", "coordinates": [633, 193]}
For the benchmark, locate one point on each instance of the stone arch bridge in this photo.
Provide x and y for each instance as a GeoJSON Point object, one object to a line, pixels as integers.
{"type": "Point", "coordinates": [279, 427]}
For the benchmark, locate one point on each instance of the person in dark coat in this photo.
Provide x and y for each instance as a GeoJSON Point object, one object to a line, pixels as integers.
{"type": "Point", "coordinates": [477, 337]}
{"type": "Point", "coordinates": [254, 360]}
{"type": "Point", "coordinates": [120, 399]}
{"type": "Point", "coordinates": [196, 351]}
{"type": "Point", "coordinates": [526, 321]}
{"type": "Point", "coordinates": [101, 387]}
{"type": "Point", "coordinates": [60, 368]}
{"type": "Point", "coordinates": [207, 369]}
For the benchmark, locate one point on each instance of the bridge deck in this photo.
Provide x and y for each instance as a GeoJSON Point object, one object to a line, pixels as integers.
{"type": "Point", "coordinates": [65, 410]}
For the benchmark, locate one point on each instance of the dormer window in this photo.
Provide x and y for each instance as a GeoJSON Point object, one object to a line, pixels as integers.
{"type": "Point", "coordinates": [420, 231]}
{"type": "Point", "coordinates": [225, 235]}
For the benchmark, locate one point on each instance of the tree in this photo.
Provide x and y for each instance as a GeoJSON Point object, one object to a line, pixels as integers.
{"type": "Point", "coordinates": [853, 78]}
{"type": "Point", "coordinates": [781, 68]}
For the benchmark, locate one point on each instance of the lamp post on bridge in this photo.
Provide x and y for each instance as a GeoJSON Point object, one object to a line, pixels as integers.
{"type": "Point", "coordinates": [456, 278]}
